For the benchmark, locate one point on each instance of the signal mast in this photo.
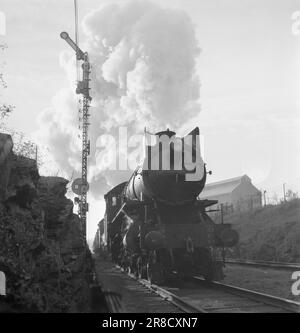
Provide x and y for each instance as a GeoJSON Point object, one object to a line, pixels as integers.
{"type": "Point", "coordinates": [80, 185]}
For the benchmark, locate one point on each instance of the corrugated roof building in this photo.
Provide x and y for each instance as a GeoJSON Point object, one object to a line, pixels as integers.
{"type": "Point", "coordinates": [236, 194]}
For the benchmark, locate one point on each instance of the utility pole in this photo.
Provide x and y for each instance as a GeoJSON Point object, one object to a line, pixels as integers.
{"type": "Point", "coordinates": [81, 185]}
{"type": "Point", "coordinates": [284, 195]}
{"type": "Point", "coordinates": [222, 222]}
{"type": "Point", "coordinates": [265, 202]}
{"type": "Point", "coordinates": [222, 214]}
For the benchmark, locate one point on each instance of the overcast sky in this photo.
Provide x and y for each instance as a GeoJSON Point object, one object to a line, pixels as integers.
{"type": "Point", "coordinates": [249, 69]}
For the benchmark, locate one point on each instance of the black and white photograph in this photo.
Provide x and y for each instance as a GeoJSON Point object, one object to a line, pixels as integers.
{"type": "Point", "coordinates": [149, 159]}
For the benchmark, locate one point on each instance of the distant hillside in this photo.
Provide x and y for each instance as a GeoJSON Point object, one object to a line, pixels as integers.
{"type": "Point", "coordinates": [270, 233]}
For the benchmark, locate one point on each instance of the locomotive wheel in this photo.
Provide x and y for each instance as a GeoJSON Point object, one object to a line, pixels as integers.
{"type": "Point", "coordinates": [133, 265]}
{"type": "Point", "coordinates": [141, 269]}
{"type": "Point", "coordinates": [205, 263]}
{"type": "Point", "coordinates": [218, 273]}
{"type": "Point", "coordinates": [209, 274]}
{"type": "Point", "coordinates": [208, 269]}
{"type": "Point", "coordinates": [155, 273]}
{"type": "Point", "coordinates": [185, 269]}
{"type": "Point", "coordinates": [155, 270]}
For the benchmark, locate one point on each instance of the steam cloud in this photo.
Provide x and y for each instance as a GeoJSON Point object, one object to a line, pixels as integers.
{"type": "Point", "coordinates": [143, 75]}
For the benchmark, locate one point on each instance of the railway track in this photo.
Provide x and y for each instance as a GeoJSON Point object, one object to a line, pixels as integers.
{"type": "Point", "coordinates": [264, 264]}
{"type": "Point", "coordinates": [169, 296]}
{"type": "Point", "coordinates": [198, 296]}
{"type": "Point", "coordinates": [245, 300]}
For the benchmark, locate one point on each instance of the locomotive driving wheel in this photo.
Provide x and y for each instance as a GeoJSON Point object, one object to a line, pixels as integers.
{"type": "Point", "coordinates": [205, 263]}
{"type": "Point", "coordinates": [185, 268]}
{"type": "Point", "coordinates": [141, 268]}
{"type": "Point", "coordinates": [155, 270]}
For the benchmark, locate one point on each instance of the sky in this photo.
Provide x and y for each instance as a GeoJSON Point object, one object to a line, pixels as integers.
{"type": "Point", "coordinates": [249, 70]}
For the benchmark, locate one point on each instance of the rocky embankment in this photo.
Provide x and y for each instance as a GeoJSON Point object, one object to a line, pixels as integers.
{"type": "Point", "coordinates": [42, 248]}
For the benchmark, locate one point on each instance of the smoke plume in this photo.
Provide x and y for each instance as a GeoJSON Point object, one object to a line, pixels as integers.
{"type": "Point", "coordinates": [143, 75]}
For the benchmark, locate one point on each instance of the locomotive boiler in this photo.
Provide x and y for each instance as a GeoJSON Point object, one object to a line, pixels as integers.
{"type": "Point", "coordinates": [156, 225]}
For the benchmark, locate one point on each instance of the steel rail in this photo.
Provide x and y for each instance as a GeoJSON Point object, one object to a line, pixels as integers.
{"type": "Point", "coordinates": [172, 298]}
{"type": "Point", "coordinates": [282, 303]}
{"type": "Point", "coordinates": [264, 264]}
{"type": "Point", "coordinates": [260, 298]}
{"type": "Point", "coordinates": [113, 301]}
{"type": "Point", "coordinates": [167, 295]}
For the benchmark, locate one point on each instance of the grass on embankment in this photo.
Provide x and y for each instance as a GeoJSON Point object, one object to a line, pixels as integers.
{"type": "Point", "coordinates": [269, 233]}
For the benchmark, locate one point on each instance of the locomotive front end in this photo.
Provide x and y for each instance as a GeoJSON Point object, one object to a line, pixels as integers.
{"type": "Point", "coordinates": [172, 172]}
{"type": "Point", "coordinates": [156, 224]}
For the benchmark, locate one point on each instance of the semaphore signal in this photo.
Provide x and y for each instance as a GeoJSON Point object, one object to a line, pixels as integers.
{"type": "Point", "coordinates": [81, 185]}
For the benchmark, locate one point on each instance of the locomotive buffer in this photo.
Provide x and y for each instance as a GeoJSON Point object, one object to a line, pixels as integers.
{"type": "Point", "coordinates": [80, 186]}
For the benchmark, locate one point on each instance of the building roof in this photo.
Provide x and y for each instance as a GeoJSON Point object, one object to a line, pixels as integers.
{"type": "Point", "coordinates": [222, 187]}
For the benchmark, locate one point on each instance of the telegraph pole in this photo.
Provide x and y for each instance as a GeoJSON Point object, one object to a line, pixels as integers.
{"type": "Point", "coordinates": [80, 185]}
{"type": "Point", "coordinates": [284, 195]}
{"type": "Point", "coordinates": [222, 214]}
{"type": "Point", "coordinates": [265, 191]}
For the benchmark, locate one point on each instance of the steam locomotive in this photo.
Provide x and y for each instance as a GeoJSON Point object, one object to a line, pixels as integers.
{"type": "Point", "coordinates": [155, 225]}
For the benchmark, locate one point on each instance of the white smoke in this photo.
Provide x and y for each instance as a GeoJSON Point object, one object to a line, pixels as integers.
{"type": "Point", "coordinates": [143, 75]}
